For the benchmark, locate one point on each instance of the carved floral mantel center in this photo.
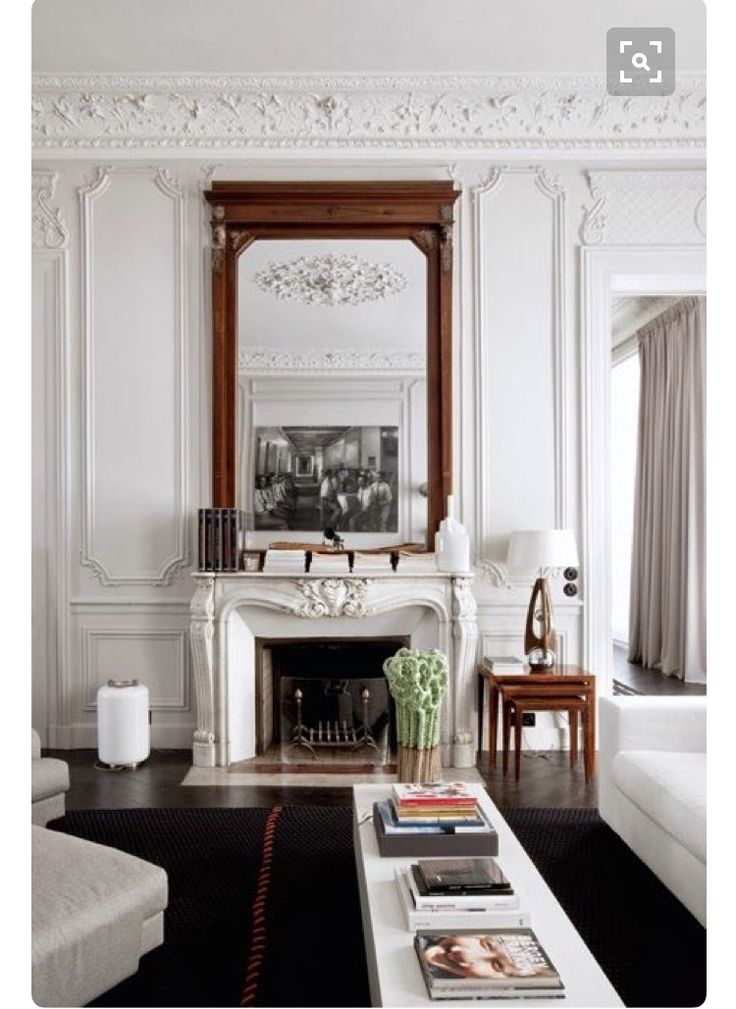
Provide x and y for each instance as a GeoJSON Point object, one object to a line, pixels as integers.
{"type": "Point", "coordinates": [222, 660]}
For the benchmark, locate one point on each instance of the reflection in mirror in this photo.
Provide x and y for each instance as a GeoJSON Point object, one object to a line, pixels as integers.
{"type": "Point", "coordinates": [332, 402]}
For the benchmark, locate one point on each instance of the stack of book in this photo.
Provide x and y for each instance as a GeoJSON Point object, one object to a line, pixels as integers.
{"type": "Point", "coordinates": [377, 563]}
{"type": "Point", "coordinates": [285, 562]}
{"type": "Point", "coordinates": [329, 564]}
{"type": "Point", "coordinates": [502, 665]}
{"type": "Point", "coordinates": [221, 534]}
{"type": "Point", "coordinates": [438, 894]}
{"type": "Point", "coordinates": [433, 819]}
{"type": "Point", "coordinates": [410, 562]}
{"type": "Point", "coordinates": [503, 963]}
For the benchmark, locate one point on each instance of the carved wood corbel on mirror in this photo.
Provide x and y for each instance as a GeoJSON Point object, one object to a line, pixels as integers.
{"type": "Point", "coordinates": [332, 357]}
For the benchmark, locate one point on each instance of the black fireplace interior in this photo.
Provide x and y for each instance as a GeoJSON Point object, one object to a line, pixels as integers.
{"type": "Point", "coordinates": [330, 698]}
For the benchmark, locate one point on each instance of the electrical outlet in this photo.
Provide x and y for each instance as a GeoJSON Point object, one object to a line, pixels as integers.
{"type": "Point", "coordinates": [528, 718]}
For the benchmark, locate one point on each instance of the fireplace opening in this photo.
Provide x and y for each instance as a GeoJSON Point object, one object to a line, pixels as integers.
{"type": "Point", "coordinates": [325, 701]}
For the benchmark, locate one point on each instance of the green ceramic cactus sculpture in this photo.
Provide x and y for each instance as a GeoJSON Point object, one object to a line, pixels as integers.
{"type": "Point", "coordinates": [417, 680]}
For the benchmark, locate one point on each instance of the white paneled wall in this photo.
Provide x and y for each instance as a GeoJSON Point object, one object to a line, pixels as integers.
{"type": "Point", "coordinates": [121, 334]}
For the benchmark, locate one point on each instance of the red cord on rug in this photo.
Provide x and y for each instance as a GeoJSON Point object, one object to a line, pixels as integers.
{"type": "Point", "coordinates": [258, 926]}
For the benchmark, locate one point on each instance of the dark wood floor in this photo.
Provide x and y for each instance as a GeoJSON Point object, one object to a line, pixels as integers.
{"type": "Point", "coordinates": [546, 780]}
{"type": "Point", "coordinates": [630, 678]}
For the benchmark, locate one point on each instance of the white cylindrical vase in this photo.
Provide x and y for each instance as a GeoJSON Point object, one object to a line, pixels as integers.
{"type": "Point", "coordinates": [123, 730]}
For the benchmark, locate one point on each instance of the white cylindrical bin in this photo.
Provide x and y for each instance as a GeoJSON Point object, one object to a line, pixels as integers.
{"type": "Point", "coordinates": [123, 731]}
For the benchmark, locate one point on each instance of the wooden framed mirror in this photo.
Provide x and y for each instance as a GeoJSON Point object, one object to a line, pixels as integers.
{"type": "Point", "coordinates": [333, 286]}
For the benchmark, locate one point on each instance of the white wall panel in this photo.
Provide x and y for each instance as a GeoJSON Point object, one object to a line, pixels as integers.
{"type": "Point", "coordinates": [134, 520]}
{"type": "Point", "coordinates": [48, 431]}
{"type": "Point", "coordinates": [135, 452]}
{"type": "Point", "coordinates": [516, 326]}
{"type": "Point", "coordinates": [157, 657]}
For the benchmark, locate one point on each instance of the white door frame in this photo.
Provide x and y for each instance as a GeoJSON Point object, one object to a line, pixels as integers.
{"type": "Point", "coordinates": [605, 271]}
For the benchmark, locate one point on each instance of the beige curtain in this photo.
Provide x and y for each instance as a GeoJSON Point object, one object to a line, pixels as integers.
{"type": "Point", "coordinates": [667, 607]}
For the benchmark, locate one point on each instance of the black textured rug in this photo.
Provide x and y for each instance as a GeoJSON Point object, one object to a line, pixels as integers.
{"type": "Point", "coordinates": [263, 906]}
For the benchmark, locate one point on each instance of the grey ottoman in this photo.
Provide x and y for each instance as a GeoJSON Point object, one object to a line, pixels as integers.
{"type": "Point", "coordinates": [96, 911]}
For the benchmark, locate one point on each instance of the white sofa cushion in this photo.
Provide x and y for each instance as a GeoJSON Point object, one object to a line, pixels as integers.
{"type": "Point", "coordinates": [670, 788]}
{"type": "Point", "coordinates": [48, 777]}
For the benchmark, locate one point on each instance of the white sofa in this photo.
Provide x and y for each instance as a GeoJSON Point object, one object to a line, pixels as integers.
{"type": "Point", "coordinates": [49, 784]}
{"type": "Point", "coordinates": [652, 787]}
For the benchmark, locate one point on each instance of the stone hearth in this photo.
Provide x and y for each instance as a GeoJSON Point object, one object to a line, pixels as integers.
{"type": "Point", "coordinates": [230, 611]}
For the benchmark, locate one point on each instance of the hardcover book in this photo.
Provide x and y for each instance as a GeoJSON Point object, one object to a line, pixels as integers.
{"type": "Point", "coordinates": [473, 897]}
{"type": "Point", "coordinates": [443, 918]}
{"type": "Point", "coordinates": [394, 823]}
{"type": "Point", "coordinates": [445, 875]}
{"type": "Point", "coordinates": [491, 963]}
{"type": "Point", "coordinates": [425, 901]}
{"type": "Point", "coordinates": [428, 841]}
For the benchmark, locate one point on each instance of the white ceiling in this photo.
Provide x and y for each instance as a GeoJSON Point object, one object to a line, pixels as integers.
{"type": "Point", "coordinates": [302, 36]}
{"type": "Point", "coordinates": [395, 323]}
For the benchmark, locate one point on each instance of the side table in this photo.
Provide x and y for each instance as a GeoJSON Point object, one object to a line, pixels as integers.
{"type": "Point", "coordinates": [564, 682]}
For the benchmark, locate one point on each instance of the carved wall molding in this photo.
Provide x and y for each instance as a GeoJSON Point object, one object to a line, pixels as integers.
{"type": "Point", "coordinates": [358, 110]}
{"type": "Point", "coordinates": [49, 230]}
{"type": "Point", "coordinates": [97, 185]}
{"type": "Point", "coordinates": [644, 208]}
{"type": "Point", "coordinates": [269, 361]}
{"type": "Point", "coordinates": [332, 597]}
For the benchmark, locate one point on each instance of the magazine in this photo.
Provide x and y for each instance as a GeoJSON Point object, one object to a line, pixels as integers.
{"type": "Point", "coordinates": [489, 961]}
{"type": "Point", "coordinates": [442, 793]}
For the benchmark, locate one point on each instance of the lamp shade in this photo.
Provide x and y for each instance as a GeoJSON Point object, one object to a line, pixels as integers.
{"type": "Point", "coordinates": [541, 548]}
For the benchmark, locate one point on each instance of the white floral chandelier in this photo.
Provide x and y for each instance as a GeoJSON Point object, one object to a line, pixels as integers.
{"type": "Point", "coordinates": [330, 280]}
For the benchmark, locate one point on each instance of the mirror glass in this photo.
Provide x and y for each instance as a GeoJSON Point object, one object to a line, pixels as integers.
{"type": "Point", "coordinates": [332, 402]}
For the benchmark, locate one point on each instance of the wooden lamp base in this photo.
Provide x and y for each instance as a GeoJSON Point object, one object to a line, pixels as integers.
{"type": "Point", "coordinates": [540, 646]}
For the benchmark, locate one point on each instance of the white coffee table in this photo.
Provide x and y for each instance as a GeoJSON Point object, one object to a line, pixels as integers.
{"type": "Point", "coordinates": [393, 969]}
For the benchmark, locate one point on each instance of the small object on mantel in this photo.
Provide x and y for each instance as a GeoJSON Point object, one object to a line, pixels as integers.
{"type": "Point", "coordinates": [367, 563]}
{"type": "Point", "coordinates": [452, 542]}
{"type": "Point", "coordinates": [329, 564]}
{"type": "Point", "coordinates": [287, 562]}
{"type": "Point", "coordinates": [409, 561]}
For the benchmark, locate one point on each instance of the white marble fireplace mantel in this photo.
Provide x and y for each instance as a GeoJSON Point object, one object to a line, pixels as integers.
{"type": "Point", "coordinates": [229, 610]}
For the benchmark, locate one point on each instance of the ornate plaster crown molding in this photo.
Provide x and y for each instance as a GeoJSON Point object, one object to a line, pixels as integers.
{"type": "Point", "coordinates": [631, 207]}
{"type": "Point", "coordinates": [358, 110]}
{"type": "Point", "coordinates": [330, 280]}
{"type": "Point", "coordinates": [49, 228]}
{"type": "Point", "coordinates": [271, 360]}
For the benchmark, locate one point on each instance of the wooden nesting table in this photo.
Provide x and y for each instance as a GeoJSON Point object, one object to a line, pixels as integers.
{"type": "Point", "coordinates": [555, 691]}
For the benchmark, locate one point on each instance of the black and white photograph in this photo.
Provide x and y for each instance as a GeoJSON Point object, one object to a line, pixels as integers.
{"type": "Point", "coordinates": [315, 478]}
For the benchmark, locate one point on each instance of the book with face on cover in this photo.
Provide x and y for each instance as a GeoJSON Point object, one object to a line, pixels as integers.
{"type": "Point", "coordinates": [447, 875]}
{"type": "Point", "coordinates": [486, 962]}
{"type": "Point", "coordinates": [437, 794]}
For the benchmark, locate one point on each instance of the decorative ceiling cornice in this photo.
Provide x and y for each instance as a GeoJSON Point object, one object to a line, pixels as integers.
{"type": "Point", "coordinates": [280, 360]}
{"type": "Point", "coordinates": [194, 111]}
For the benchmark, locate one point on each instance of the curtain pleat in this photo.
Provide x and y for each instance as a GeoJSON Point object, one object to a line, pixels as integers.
{"type": "Point", "coordinates": [667, 601]}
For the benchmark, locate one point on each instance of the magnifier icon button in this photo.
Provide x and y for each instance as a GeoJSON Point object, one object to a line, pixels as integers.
{"type": "Point", "coordinates": [639, 61]}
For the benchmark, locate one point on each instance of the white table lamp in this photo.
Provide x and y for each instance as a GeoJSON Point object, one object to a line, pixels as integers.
{"type": "Point", "coordinates": [541, 549]}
